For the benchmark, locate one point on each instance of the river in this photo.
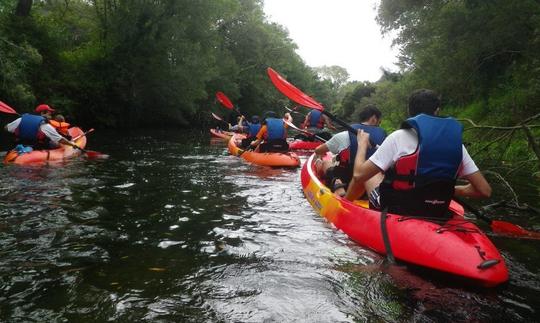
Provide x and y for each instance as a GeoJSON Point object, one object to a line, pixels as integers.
{"type": "Point", "coordinates": [171, 228]}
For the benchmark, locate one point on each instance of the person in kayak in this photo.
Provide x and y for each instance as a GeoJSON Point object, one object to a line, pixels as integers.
{"type": "Point", "coordinates": [273, 132]}
{"type": "Point", "coordinates": [315, 122]}
{"type": "Point", "coordinates": [338, 173]}
{"type": "Point", "coordinates": [421, 162]}
{"type": "Point", "coordinates": [251, 129]}
{"type": "Point", "coordinates": [240, 125]}
{"type": "Point", "coordinates": [34, 130]}
{"type": "Point", "coordinates": [59, 123]}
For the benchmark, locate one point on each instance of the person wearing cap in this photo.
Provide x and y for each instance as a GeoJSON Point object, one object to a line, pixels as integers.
{"type": "Point", "coordinates": [273, 132]}
{"type": "Point", "coordinates": [34, 130]}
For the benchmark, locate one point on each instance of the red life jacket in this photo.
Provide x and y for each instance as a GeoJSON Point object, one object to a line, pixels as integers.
{"type": "Point", "coordinates": [422, 183]}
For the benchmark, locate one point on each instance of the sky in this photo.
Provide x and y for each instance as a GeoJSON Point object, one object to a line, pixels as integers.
{"type": "Point", "coordinates": [336, 32]}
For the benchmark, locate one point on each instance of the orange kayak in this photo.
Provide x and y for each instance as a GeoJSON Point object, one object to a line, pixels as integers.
{"type": "Point", "coordinates": [454, 246]}
{"type": "Point", "coordinates": [48, 155]}
{"type": "Point", "coordinates": [264, 159]}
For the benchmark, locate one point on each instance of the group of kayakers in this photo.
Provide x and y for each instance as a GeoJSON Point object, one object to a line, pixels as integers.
{"type": "Point", "coordinates": [411, 171]}
{"type": "Point", "coordinates": [40, 130]}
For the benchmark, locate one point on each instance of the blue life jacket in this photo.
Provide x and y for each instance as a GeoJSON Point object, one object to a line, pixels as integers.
{"type": "Point", "coordinates": [253, 129]}
{"type": "Point", "coordinates": [28, 129]}
{"type": "Point", "coordinates": [316, 119]}
{"type": "Point", "coordinates": [422, 183]}
{"type": "Point", "coordinates": [376, 136]}
{"type": "Point", "coordinates": [275, 129]}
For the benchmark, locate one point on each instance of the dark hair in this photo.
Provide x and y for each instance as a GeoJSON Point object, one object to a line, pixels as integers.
{"type": "Point", "coordinates": [369, 111]}
{"type": "Point", "coordinates": [423, 101]}
{"type": "Point", "coordinates": [270, 114]}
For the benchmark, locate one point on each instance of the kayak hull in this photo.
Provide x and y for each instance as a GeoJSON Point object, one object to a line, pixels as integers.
{"type": "Point", "coordinates": [226, 135]}
{"type": "Point", "coordinates": [264, 159]}
{"type": "Point", "coordinates": [51, 155]}
{"type": "Point", "coordinates": [456, 247]}
{"type": "Point", "coordinates": [304, 145]}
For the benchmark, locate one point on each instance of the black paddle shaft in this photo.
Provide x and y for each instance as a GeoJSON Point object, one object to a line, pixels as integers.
{"type": "Point", "coordinates": [344, 125]}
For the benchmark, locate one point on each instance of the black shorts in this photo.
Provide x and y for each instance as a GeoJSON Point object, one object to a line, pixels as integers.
{"type": "Point", "coordinates": [279, 145]}
{"type": "Point", "coordinates": [337, 172]}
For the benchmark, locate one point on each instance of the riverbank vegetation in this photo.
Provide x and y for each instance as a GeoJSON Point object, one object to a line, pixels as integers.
{"type": "Point", "coordinates": [110, 63]}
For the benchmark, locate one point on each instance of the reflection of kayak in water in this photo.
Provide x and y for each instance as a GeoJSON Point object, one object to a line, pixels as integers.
{"type": "Point", "coordinates": [286, 159]}
{"type": "Point", "coordinates": [455, 246]}
{"type": "Point", "coordinates": [43, 156]}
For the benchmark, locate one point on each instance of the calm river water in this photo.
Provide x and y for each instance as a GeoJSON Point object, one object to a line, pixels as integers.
{"type": "Point", "coordinates": [173, 229]}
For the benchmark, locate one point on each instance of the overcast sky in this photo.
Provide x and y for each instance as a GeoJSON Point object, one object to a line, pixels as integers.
{"type": "Point", "coordinates": [336, 32]}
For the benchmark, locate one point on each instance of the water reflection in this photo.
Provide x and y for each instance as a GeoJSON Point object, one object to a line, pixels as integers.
{"type": "Point", "coordinates": [173, 229]}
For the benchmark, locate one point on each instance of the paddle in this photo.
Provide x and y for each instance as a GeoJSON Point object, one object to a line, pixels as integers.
{"type": "Point", "coordinates": [219, 118]}
{"type": "Point", "coordinates": [226, 102]}
{"type": "Point", "coordinates": [89, 153]}
{"type": "Point", "coordinates": [293, 93]}
{"type": "Point", "coordinates": [294, 111]}
{"type": "Point", "coordinates": [290, 124]}
{"type": "Point", "coordinates": [500, 227]}
{"type": "Point", "coordinates": [7, 109]}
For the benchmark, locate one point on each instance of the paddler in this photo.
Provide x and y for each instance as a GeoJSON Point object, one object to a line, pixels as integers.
{"type": "Point", "coordinates": [273, 132]}
{"type": "Point", "coordinates": [315, 122]}
{"type": "Point", "coordinates": [34, 130]}
{"type": "Point", "coordinates": [338, 172]}
{"type": "Point", "coordinates": [421, 162]}
{"type": "Point", "coordinates": [251, 129]}
{"type": "Point", "coordinates": [62, 127]}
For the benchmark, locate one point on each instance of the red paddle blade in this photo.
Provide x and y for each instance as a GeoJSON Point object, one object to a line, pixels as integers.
{"type": "Point", "coordinates": [6, 108]}
{"type": "Point", "coordinates": [507, 228]}
{"type": "Point", "coordinates": [224, 100]}
{"type": "Point", "coordinates": [292, 92]}
{"type": "Point", "coordinates": [95, 154]}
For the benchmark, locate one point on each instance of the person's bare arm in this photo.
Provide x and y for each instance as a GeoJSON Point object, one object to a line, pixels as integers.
{"type": "Point", "coordinates": [306, 121]}
{"type": "Point", "coordinates": [478, 187]}
{"type": "Point", "coordinates": [329, 123]}
{"type": "Point", "coordinates": [362, 170]}
{"type": "Point", "coordinates": [321, 150]}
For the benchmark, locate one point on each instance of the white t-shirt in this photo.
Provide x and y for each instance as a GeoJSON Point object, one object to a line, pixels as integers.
{"type": "Point", "coordinates": [46, 128]}
{"type": "Point", "coordinates": [404, 142]}
{"type": "Point", "coordinates": [338, 142]}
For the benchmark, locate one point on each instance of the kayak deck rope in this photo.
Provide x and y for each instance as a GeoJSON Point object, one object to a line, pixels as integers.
{"type": "Point", "coordinates": [446, 224]}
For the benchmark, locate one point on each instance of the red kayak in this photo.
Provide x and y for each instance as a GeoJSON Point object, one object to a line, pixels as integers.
{"type": "Point", "coordinates": [456, 247]}
{"type": "Point", "coordinates": [221, 134]}
{"type": "Point", "coordinates": [48, 155]}
{"type": "Point", "coordinates": [264, 159]}
{"type": "Point", "coordinates": [304, 145]}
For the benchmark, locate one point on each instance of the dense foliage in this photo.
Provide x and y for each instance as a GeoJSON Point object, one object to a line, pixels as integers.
{"type": "Point", "coordinates": [481, 56]}
{"type": "Point", "coordinates": [127, 63]}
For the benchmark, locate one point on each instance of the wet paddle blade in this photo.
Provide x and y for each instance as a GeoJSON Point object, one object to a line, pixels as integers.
{"type": "Point", "coordinates": [91, 154]}
{"type": "Point", "coordinates": [292, 92]}
{"type": "Point", "coordinates": [6, 108]}
{"type": "Point", "coordinates": [224, 100]}
{"type": "Point", "coordinates": [509, 229]}
{"type": "Point", "coordinates": [216, 117]}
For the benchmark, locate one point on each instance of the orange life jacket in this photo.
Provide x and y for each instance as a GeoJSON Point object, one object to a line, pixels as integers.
{"type": "Point", "coordinates": [60, 126]}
